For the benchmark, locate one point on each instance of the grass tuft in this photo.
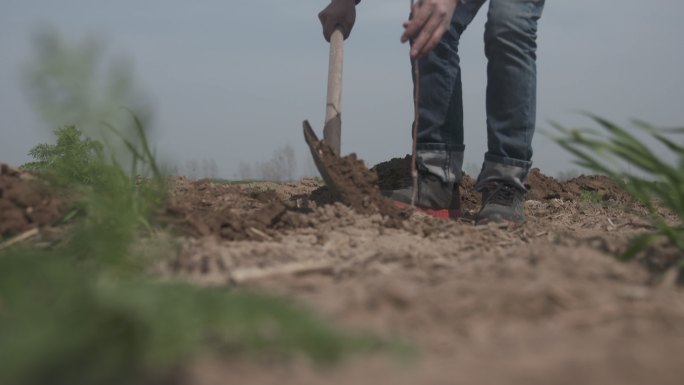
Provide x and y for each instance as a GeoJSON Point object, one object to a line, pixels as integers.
{"type": "Point", "coordinates": [605, 151]}
{"type": "Point", "coordinates": [591, 196]}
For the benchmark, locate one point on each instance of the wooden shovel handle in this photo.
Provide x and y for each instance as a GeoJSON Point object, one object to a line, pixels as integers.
{"type": "Point", "coordinates": [333, 108]}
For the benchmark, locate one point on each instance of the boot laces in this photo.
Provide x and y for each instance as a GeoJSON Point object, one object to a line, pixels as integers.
{"type": "Point", "coordinates": [504, 195]}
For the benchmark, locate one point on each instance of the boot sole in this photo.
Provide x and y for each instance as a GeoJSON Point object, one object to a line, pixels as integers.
{"type": "Point", "coordinates": [500, 223]}
{"type": "Point", "coordinates": [435, 213]}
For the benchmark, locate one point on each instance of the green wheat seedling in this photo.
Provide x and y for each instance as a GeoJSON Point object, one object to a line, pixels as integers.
{"type": "Point", "coordinates": [591, 196]}
{"type": "Point", "coordinates": [605, 150]}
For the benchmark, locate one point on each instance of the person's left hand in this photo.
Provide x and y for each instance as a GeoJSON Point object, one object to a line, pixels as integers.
{"type": "Point", "coordinates": [431, 18]}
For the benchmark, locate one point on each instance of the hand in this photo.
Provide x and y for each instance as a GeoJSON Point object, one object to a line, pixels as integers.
{"type": "Point", "coordinates": [431, 18]}
{"type": "Point", "coordinates": [339, 13]}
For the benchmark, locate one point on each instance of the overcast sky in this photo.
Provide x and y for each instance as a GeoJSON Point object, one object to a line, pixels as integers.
{"type": "Point", "coordinates": [231, 81]}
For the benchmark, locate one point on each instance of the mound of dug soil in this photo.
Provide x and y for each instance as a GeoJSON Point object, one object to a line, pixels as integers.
{"type": "Point", "coordinates": [202, 208]}
{"type": "Point", "coordinates": [23, 204]}
{"type": "Point", "coordinates": [544, 187]}
{"type": "Point", "coordinates": [252, 211]}
{"type": "Point", "coordinates": [350, 181]}
{"type": "Point", "coordinates": [259, 211]}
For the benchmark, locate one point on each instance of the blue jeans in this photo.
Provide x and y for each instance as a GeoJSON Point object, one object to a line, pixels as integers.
{"type": "Point", "coordinates": [510, 47]}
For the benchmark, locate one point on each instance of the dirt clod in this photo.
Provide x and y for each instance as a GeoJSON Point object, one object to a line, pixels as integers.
{"type": "Point", "coordinates": [24, 203]}
{"type": "Point", "coordinates": [350, 181]}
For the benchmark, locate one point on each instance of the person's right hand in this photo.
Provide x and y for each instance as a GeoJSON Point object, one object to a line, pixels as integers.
{"type": "Point", "coordinates": [430, 20]}
{"type": "Point", "coordinates": [339, 13]}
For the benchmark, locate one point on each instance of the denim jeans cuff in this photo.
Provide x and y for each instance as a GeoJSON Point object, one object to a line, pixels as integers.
{"type": "Point", "coordinates": [440, 147]}
{"type": "Point", "coordinates": [498, 172]}
{"type": "Point", "coordinates": [444, 164]}
{"type": "Point", "coordinates": [508, 161]}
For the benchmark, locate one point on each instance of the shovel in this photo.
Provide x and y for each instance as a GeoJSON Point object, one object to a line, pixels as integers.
{"type": "Point", "coordinates": [324, 152]}
{"type": "Point", "coordinates": [347, 177]}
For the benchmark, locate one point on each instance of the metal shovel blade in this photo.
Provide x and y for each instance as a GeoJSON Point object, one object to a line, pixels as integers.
{"type": "Point", "coordinates": [324, 158]}
{"type": "Point", "coordinates": [332, 133]}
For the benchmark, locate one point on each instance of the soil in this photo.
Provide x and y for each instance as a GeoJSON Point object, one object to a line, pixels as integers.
{"type": "Point", "coordinates": [24, 205]}
{"type": "Point", "coordinates": [349, 181]}
{"type": "Point", "coordinates": [545, 303]}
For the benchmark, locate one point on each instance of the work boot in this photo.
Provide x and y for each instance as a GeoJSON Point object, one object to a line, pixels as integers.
{"type": "Point", "coordinates": [435, 198]}
{"type": "Point", "coordinates": [502, 204]}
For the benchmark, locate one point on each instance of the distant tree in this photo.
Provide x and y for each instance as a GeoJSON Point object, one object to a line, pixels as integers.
{"type": "Point", "coordinates": [192, 168]}
{"type": "Point", "coordinates": [285, 156]}
{"type": "Point", "coordinates": [209, 169]}
{"type": "Point", "coordinates": [281, 167]}
{"type": "Point", "coordinates": [310, 169]}
{"type": "Point", "coordinates": [245, 171]}
{"type": "Point", "coordinates": [213, 169]}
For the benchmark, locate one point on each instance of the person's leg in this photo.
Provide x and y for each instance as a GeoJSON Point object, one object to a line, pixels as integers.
{"type": "Point", "coordinates": [510, 47]}
{"type": "Point", "coordinates": [439, 143]}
